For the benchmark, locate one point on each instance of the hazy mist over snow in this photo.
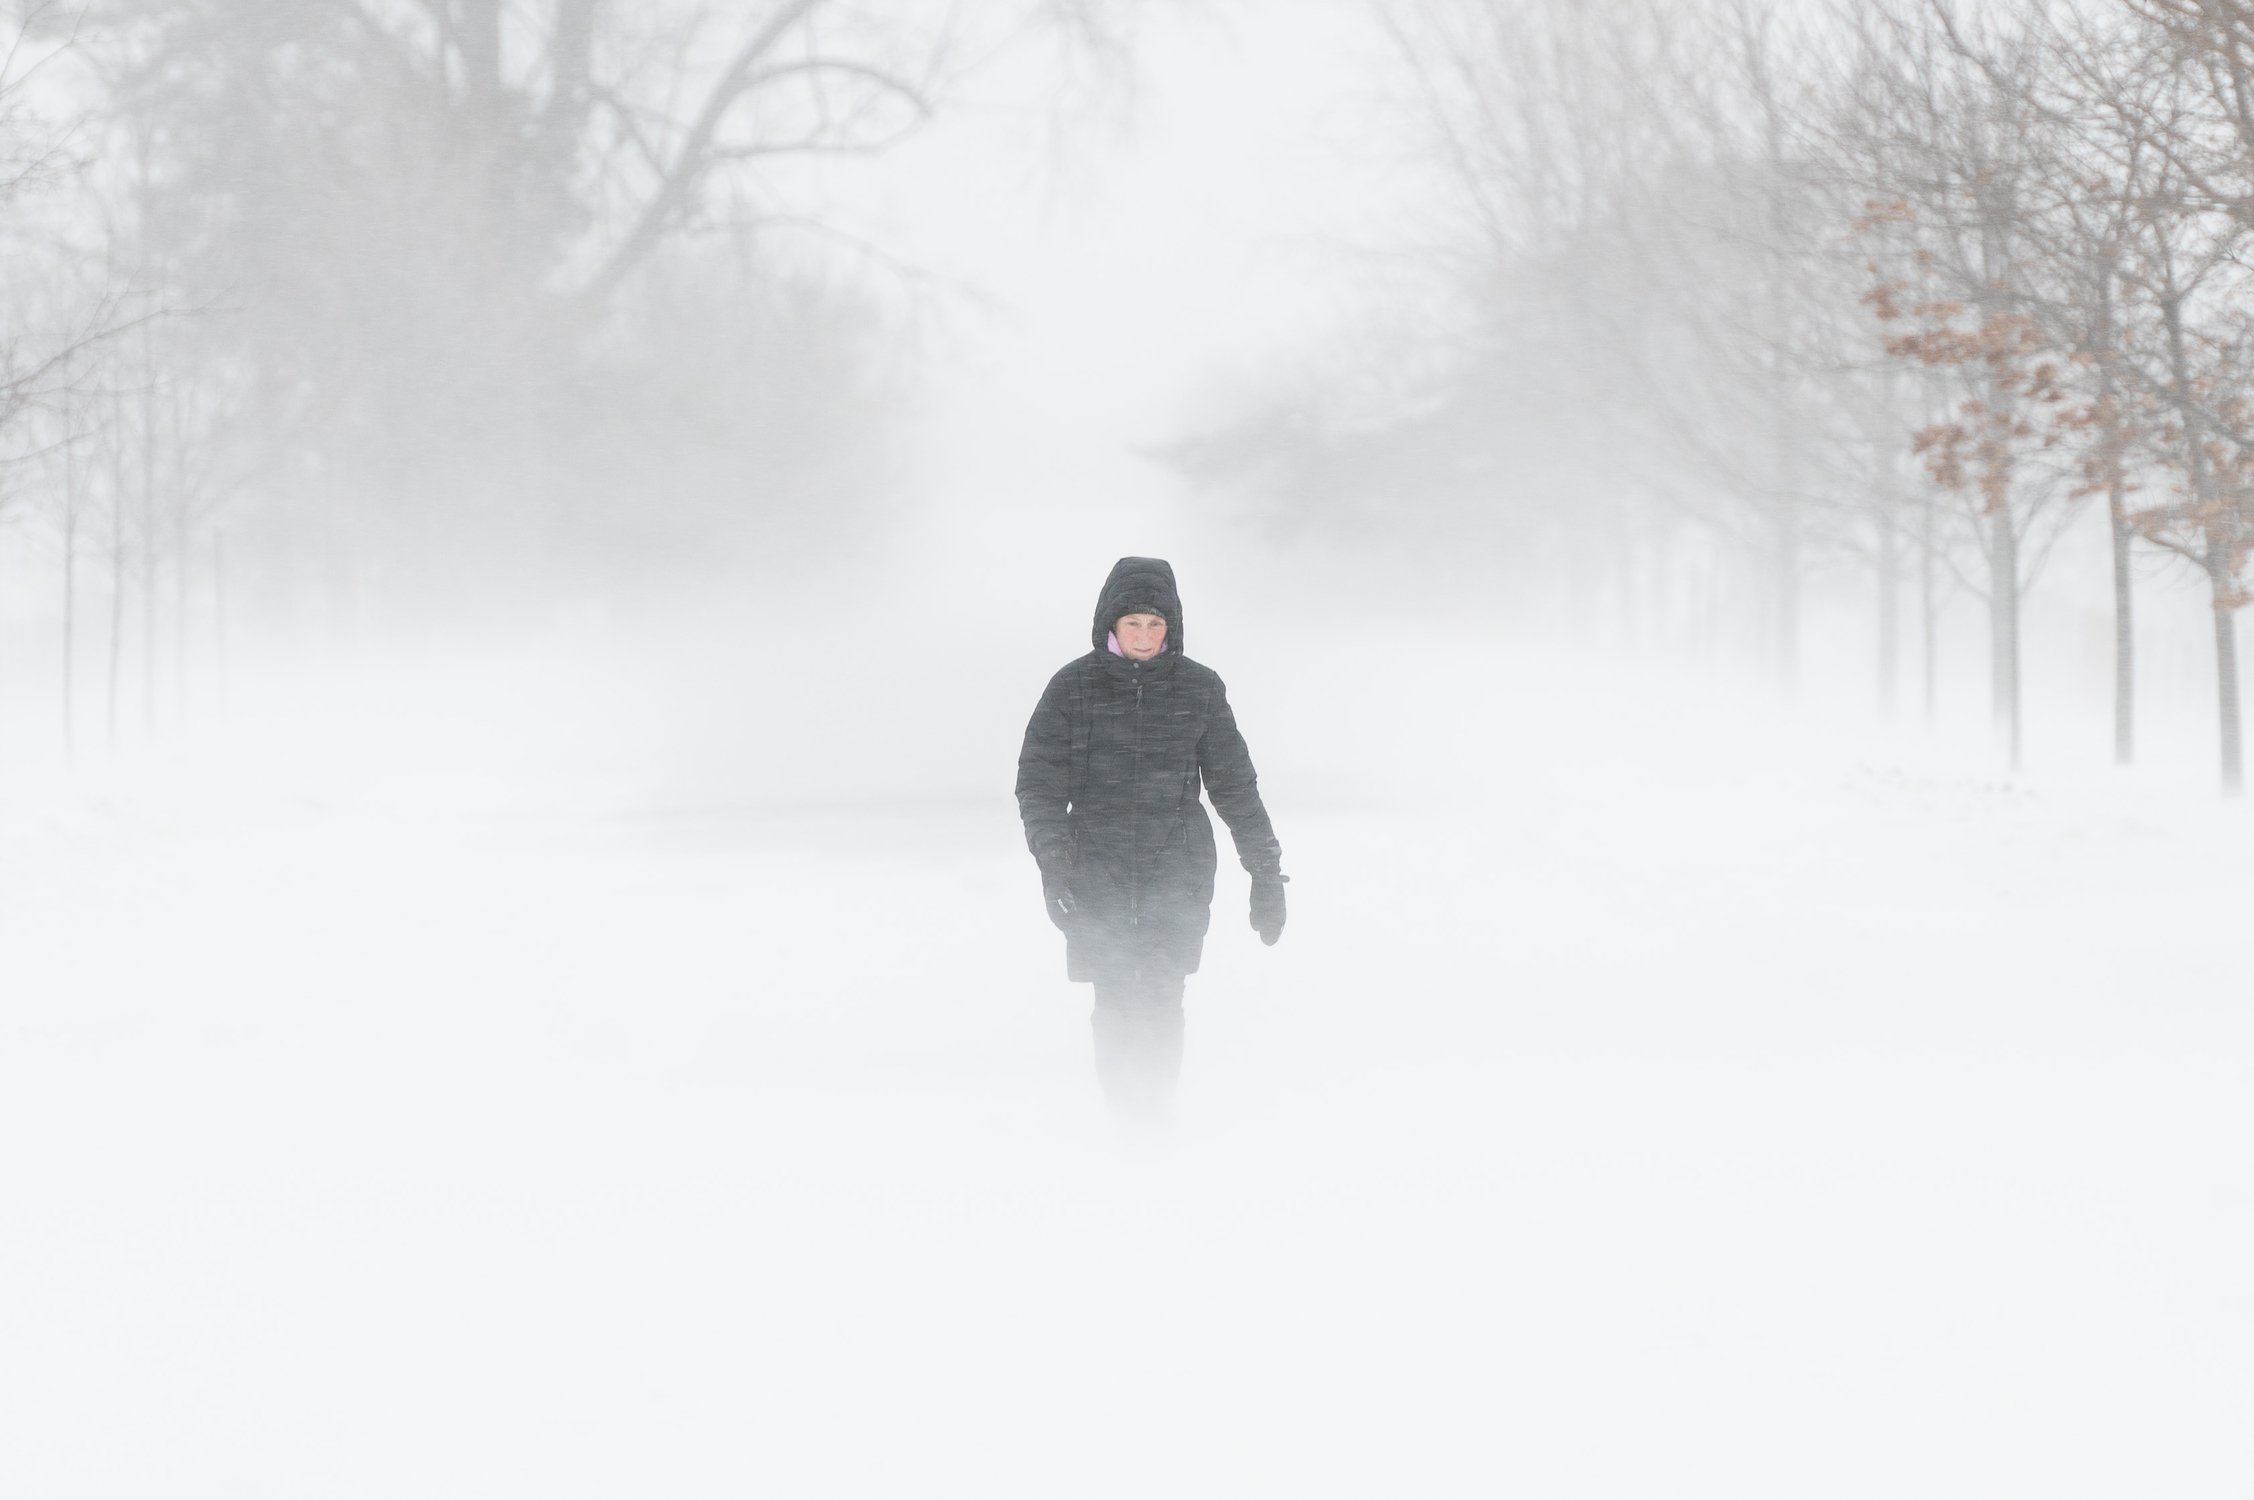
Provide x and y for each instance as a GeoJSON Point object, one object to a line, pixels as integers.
{"type": "Point", "coordinates": [520, 970]}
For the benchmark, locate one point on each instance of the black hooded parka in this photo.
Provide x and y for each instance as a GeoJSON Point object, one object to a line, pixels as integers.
{"type": "Point", "coordinates": [1107, 785]}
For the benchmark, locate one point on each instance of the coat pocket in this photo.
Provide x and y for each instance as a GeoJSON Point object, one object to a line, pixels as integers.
{"type": "Point", "coordinates": [1199, 854]}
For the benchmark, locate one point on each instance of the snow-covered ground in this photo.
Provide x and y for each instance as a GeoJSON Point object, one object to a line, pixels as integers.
{"type": "Point", "coordinates": [1651, 1096]}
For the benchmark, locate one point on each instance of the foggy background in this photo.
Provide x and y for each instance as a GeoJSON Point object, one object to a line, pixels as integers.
{"type": "Point", "coordinates": [529, 534]}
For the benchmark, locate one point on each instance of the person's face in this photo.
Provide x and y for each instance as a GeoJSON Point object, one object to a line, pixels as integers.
{"type": "Point", "coordinates": [1141, 637]}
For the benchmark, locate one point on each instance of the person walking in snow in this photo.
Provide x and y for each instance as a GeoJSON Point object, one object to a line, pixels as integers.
{"type": "Point", "coordinates": [1107, 785]}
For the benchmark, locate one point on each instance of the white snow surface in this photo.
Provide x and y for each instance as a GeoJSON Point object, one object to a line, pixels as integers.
{"type": "Point", "coordinates": [1652, 1095]}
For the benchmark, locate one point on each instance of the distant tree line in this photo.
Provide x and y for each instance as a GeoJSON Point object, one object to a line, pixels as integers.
{"type": "Point", "coordinates": [1896, 285]}
{"type": "Point", "coordinates": [394, 298]}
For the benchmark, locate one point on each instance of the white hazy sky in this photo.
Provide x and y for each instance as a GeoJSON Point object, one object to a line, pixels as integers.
{"type": "Point", "coordinates": [1142, 268]}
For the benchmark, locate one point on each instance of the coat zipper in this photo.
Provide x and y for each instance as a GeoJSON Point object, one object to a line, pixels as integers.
{"type": "Point", "coordinates": [1134, 845]}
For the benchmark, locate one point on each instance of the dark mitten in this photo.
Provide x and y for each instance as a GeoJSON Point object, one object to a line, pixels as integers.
{"type": "Point", "coordinates": [1268, 905]}
{"type": "Point", "coordinates": [1056, 894]}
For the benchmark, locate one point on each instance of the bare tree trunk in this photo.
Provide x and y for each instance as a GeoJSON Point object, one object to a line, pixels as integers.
{"type": "Point", "coordinates": [1714, 607]}
{"type": "Point", "coordinates": [2124, 631]}
{"type": "Point", "coordinates": [2117, 514]}
{"type": "Point", "coordinates": [1889, 612]}
{"type": "Point", "coordinates": [70, 642]}
{"type": "Point", "coordinates": [1929, 609]}
{"type": "Point", "coordinates": [219, 621]}
{"type": "Point", "coordinates": [182, 590]}
{"type": "Point", "coordinates": [149, 444]}
{"type": "Point", "coordinates": [117, 588]}
{"type": "Point", "coordinates": [2219, 578]}
{"type": "Point", "coordinates": [71, 495]}
{"type": "Point", "coordinates": [1788, 601]}
{"type": "Point", "coordinates": [1661, 603]}
{"type": "Point", "coordinates": [1702, 618]}
{"type": "Point", "coordinates": [183, 525]}
{"type": "Point", "coordinates": [1784, 420]}
{"type": "Point", "coordinates": [2220, 583]}
{"type": "Point", "coordinates": [2003, 627]}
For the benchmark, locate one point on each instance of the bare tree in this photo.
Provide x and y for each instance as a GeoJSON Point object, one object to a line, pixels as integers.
{"type": "Point", "coordinates": [2196, 410]}
{"type": "Point", "coordinates": [1959, 160]}
{"type": "Point", "coordinates": [35, 346]}
{"type": "Point", "coordinates": [429, 240]}
{"type": "Point", "coordinates": [2190, 103]}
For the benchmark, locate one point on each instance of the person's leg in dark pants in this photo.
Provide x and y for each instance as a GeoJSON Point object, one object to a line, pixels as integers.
{"type": "Point", "coordinates": [1138, 1026]}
